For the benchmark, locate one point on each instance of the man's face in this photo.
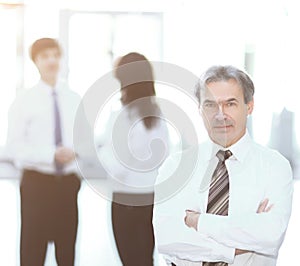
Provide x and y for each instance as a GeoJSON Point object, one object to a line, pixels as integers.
{"type": "Point", "coordinates": [48, 62]}
{"type": "Point", "coordinates": [225, 112]}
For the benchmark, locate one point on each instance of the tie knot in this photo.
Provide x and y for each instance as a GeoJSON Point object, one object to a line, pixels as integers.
{"type": "Point", "coordinates": [223, 155]}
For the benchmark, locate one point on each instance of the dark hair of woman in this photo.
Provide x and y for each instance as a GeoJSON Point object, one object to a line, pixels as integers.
{"type": "Point", "coordinates": [135, 74]}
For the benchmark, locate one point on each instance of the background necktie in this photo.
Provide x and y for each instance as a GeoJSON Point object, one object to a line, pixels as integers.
{"type": "Point", "coordinates": [57, 130]}
{"type": "Point", "coordinates": [218, 197]}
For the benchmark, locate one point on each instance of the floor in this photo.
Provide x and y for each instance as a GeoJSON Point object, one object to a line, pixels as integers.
{"type": "Point", "coordinates": [95, 245]}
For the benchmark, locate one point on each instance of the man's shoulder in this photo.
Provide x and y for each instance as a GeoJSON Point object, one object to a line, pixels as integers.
{"type": "Point", "coordinates": [180, 172]}
{"type": "Point", "coordinates": [69, 92]}
{"type": "Point", "coordinates": [189, 158]}
{"type": "Point", "coordinates": [202, 149]}
{"type": "Point", "coordinates": [64, 88]}
{"type": "Point", "coordinates": [27, 92]}
{"type": "Point", "coordinates": [30, 92]}
{"type": "Point", "coordinates": [25, 96]}
{"type": "Point", "coordinates": [268, 153]}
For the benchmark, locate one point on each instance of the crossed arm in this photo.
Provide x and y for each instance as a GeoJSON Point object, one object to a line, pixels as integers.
{"type": "Point", "coordinates": [192, 217]}
{"type": "Point", "coordinates": [218, 238]}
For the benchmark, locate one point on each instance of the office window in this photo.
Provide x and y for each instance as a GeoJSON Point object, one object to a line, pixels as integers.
{"type": "Point", "coordinates": [95, 40]}
{"type": "Point", "coordinates": [10, 67]}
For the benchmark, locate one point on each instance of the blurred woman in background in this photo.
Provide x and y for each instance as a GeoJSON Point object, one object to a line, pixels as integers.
{"type": "Point", "coordinates": [137, 144]}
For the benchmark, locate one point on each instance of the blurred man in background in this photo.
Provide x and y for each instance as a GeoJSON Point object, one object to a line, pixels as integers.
{"type": "Point", "coordinates": [40, 141]}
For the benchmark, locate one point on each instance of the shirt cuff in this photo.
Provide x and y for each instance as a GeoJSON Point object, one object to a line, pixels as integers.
{"type": "Point", "coordinates": [210, 224]}
{"type": "Point", "coordinates": [47, 155]}
{"type": "Point", "coordinates": [228, 254]}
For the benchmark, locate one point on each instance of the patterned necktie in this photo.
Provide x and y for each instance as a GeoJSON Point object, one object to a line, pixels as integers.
{"type": "Point", "coordinates": [57, 130]}
{"type": "Point", "coordinates": [218, 197]}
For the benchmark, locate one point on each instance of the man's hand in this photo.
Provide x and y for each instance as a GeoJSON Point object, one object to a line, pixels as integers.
{"type": "Point", "coordinates": [263, 206]}
{"type": "Point", "coordinates": [191, 218]}
{"type": "Point", "coordinates": [240, 251]}
{"type": "Point", "coordinates": [64, 155]}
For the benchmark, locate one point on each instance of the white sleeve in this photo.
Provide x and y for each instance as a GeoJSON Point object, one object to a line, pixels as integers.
{"type": "Point", "coordinates": [263, 232]}
{"type": "Point", "coordinates": [105, 124]}
{"type": "Point", "coordinates": [174, 238]}
{"type": "Point", "coordinates": [17, 148]}
{"type": "Point", "coordinates": [83, 135]}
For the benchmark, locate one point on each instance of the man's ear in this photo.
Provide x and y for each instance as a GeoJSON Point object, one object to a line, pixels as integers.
{"type": "Point", "coordinates": [250, 106]}
{"type": "Point", "coordinates": [200, 110]}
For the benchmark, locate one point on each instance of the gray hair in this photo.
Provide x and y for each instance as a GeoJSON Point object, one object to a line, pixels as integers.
{"type": "Point", "coordinates": [225, 73]}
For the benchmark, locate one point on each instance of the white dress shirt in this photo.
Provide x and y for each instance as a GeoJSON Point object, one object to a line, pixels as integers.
{"type": "Point", "coordinates": [255, 173]}
{"type": "Point", "coordinates": [31, 127]}
{"type": "Point", "coordinates": [130, 152]}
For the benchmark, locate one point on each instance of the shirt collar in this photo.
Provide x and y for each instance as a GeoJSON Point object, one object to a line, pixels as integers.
{"type": "Point", "coordinates": [49, 89]}
{"type": "Point", "coordinates": [239, 149]}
